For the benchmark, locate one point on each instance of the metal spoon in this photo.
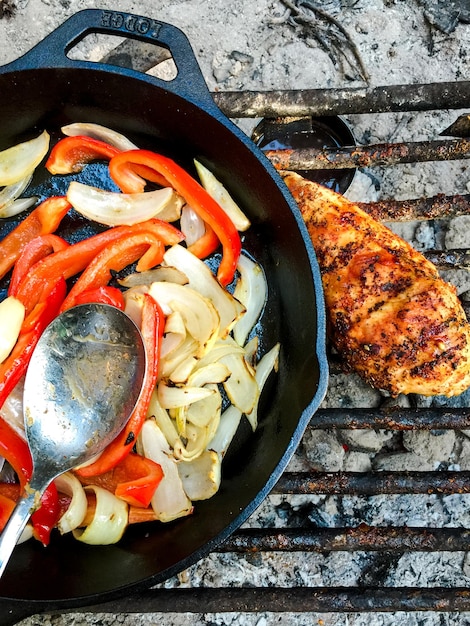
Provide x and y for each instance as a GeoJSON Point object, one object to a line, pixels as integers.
{"type": "Point", "coordinates": [82, 384]}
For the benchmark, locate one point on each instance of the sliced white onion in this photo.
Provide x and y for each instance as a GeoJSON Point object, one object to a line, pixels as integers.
{"type": "Point", "coordinates": [204, 282]}
{"type": "Point", "coordinates": [160, 273]}
{"type": "Point", "coordinates": [199, 314]}
{"type": "Point", "coordinates": [10, 193]}
{"type": "Point", "coordinates": [17, 206]}
{"type": "Point", "coordinates": [267, 364]}
{"type": "Point", "coordinates": [182, 358]}
{"type": "Point", "coordinates": [115, 208]}
{"type": "Point", "coordinates": [69, 484]}
{"type": "Point", "coordinates": [12, 409]}
{"type": "Point", "coordinates": [22, 159]}
{"type": "Point", "coordinates": [216, 372]}
{"type": "Point", "coordinates": [229, 422]}
{"type": "Point", "coordinates": [109, 521]}
{"type": "Point", "coordinates": [192, 226]}
{"type": "Point", "coordinates": [215, 189]}
{"type": "Point", "coordinates": [251, 348]}
{"type": "Point", "coordinates": [183, 370]}
{"type": "Point", "coordinates": [174, 334]}
{"type": "Point", "coordinates": [134, 303]}
{"type": "Point", "coordinates": [103, 133]}
{"type": "Point", "coordinates": [196, 439]}
{"type": "Point", "coordinates": [206, 412]}
{"type": "Point", "coordinates": [12, 313]}
{"type": "Point", "coordinates": [172, 397]}
{"type": "Point", "coordinates": [241, 387]}
{"type": "Point", "coordinates": [221, 348]}
{"type": "Point", "coordinates": [169, 501]}
{"type": "Point", "coordinates": [162, 419]}
{"type": "Point", "coordinates": [201, 477]}
{"type": "Point", "coordinates": [251, 289]}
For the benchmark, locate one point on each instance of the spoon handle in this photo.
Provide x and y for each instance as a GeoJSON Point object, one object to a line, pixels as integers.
{"type": "Point", "coordinates": [18, 520]}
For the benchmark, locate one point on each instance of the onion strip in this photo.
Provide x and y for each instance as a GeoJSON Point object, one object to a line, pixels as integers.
{"type": "Point", "coordinates": [96, 131]}
{"type": "Point", "coordinates": [109, 520]}
{"type": "Point", "coordinates": [12, 313]}
{"type": "Point", "coordinates": [22, 159]}
{"type": "Point", "coordinates": [69, 484]}
{"type": "Point", "coordinates": [115, 208]}
{"type": "Point", "coordinates": [169, 501]}
{"type": "Point", "coordinates": [251, 290]}
{"type": "Point", "coordinates": [10, 194]}
{"type": "Point", "coordinates": [215, 188]}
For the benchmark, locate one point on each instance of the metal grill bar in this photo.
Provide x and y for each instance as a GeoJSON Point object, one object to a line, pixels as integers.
{"type": "Point", "coordinates": [318, 102]}
{"type": "Point", "coordinates": [347, 539]}
{"type": "Point", "coordinates": [393, 418]}
{"type": "Point", "coordinates": [434, 207]}
{"type": "Point", "coordinates": [373, 483]}
{"type": "Point", "coordinates": [288, 600]}
{"type": "Point", "coordinates": [368, 156]}
{"type": "Point", "coordinates": [449, 259]}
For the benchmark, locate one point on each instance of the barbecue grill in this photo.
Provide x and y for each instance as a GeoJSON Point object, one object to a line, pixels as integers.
{"type": "Point", "coordinates": [300, 540]}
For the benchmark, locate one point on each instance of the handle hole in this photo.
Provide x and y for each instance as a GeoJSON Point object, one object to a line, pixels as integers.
{"type": "Point", "coordinates": [147, 58]}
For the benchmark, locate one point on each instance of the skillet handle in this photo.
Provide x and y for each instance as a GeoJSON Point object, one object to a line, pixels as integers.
{"type": "Point", "coordinates": [52, 50]}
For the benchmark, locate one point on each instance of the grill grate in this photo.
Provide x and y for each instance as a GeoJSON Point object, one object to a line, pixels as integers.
{"type": "Point", "coordinates": [363, 538]}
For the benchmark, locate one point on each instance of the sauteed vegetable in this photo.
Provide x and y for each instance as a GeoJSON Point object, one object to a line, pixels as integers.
{"type": "Point", "coordinates": [202, 374]}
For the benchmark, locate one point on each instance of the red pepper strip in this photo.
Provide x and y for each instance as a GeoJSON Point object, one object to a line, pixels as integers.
{"type": "Point", "coordinates": [134, 479]}
{"type": "Point", "coordinates": [71, 154]}
{"type": "Point", "coordinates": [76, 257]}
{"type": "Point", "coordinates": [47, 516]}
{"type": "Point", "coordinates": [6, 509]}
{"type": "Point", "coordinates": [12, 491]}
{"type": "Point", "coordinates": [153, 323]}
{"type": "Point", "coordinates": [34, 251]}
{"type": "Point", "coordinates": [116, 256]}
{"type": "Point", "coordinates": [205, 245]}
{"type": "Point", "coordinates": [41, 221]}
{"type": "Point", "coordinates": [15, 365]}
{"type": "Point", "coordinates": [121, 171]}
{"type": "Point", "coordinates": [15, 450]}
{"type": "Point", "coordinates": [148, 173]}
{"type": "Point", "coordinates": [104, 295]}
{"type": "Point", "coordinates": [143, 477]}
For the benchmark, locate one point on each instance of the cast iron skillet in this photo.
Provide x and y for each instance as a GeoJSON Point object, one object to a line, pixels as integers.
{"type": "Point", "coordinates": [46, 89]}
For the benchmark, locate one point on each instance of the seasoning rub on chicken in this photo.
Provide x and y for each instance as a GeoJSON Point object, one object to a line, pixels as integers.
{"type": "Point", "coordinates": [392, 318]}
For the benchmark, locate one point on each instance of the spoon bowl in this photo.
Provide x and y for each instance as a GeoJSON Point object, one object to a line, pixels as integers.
{"type": "Point", "coordinates": [82, 384]}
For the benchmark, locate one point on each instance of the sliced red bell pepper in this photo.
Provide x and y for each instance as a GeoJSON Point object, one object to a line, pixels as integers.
{"type": "Point", "coordinates": [75, 258]}
{"type": "Point", "coordinates": [205, 245]}
{"type": "Point", "coordinates": [47, 516]}
{"type": "Point", "coordinates": [15, 365]}
{"type": "Point", "coordinates": [153, 323]}
{"type": "Point", "coordinates": [34, 251]}
{"type": "Point", "coordinates": [6, 509]}
{"type": "Point", "coordinates": [12, 491]}
{"type": "Point", "coordinates": [134, 479]}
{"type": "Point", "coordinates": [139, 480]}
{"type": "Point", "coordinates": [104, 295]}
{"type": "Point", "coordinates": [16, 451]}
{"type": "Point", "coordinates": [121, 169]}
{"type": "Point", "coordinates": [71, 154]}
{"type": "Point", "coordinates": [41, 221]}
{"type": "Point", "coordinates": [116, 256]}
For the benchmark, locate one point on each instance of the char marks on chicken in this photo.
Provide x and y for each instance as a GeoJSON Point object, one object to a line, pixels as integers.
{"type": "Point", "coordinates": [391, 317]}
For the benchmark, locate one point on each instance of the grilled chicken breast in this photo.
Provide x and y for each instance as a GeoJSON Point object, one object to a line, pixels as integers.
{"type": "Point", "coordinates": [392, 318]}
